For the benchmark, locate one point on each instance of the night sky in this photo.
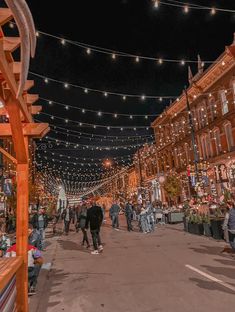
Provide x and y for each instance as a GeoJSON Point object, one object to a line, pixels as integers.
{"type": "Point", "coordinates": [131, 26]}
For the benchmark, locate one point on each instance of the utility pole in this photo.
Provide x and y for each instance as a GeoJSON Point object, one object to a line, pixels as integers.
{"type": "Point", "coordinates": [192, 136]}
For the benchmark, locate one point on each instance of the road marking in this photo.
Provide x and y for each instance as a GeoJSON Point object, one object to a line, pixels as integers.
{"type": "Point", "coordinates": [210, 277]}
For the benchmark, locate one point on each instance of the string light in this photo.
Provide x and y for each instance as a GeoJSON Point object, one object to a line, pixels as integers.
{"type": "Point", "coordinates": [113, 56]}
{"type": "Point", "coordinates": [88, 51]}
{"type": "Point", "coordinates": [182, 62]}
{"type": "Point", "coordinates": [63, 42]}
{"type": "Point", "coordinates": [137, 59]}
{"type": "Point", "coordinates": [156, 4]}
{"type": "Point", "coordinates": [186, 9]}
{"type": "Point", "coordinates": [213, 11]}
{"type": "Point", "coordinates": [66, 85]}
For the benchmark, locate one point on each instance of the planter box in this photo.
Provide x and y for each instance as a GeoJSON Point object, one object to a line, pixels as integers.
{"type": "Point", "coordinates": [216, 228]}
{"type": "Point", "coordinates": [207, 229]}
{"type": "Point", "coordinates": [175, 217]}
{"type": "Point", "coordinates": [196, 228]}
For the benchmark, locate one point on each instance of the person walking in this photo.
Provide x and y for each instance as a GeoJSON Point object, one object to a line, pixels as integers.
{"type": "Point", "coordinates": [67, 216]}
{"type": "Point", "coordinates": [81, 219]}
{"type": "Point", "coordinates": [94, 220]}
{"type": "Point", "coordinates": [39, 221]}
{"type": "Point", "coordinates": [128, 213]}
{"type": "Point", "coordinates": [231, 225]}
{"type": "Point", "coordinates": [114, 213]}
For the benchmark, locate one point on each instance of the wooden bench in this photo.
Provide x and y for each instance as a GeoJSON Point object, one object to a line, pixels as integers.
{"type": "Point", "coordinates": [8, 268]}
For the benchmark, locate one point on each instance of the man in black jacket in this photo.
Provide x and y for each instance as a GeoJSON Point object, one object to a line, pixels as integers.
{"type": "Point", "coordinates": [94, 220]}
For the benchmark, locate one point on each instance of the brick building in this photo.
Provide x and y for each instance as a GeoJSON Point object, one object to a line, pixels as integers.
{"type": "Point", "coordinates": [211, 98]}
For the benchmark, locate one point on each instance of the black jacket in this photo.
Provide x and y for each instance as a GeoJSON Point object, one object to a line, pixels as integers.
{"type": "Point", "coordinates": [94, 218]}
{"type": "Point", "coordinates": [34, 221]}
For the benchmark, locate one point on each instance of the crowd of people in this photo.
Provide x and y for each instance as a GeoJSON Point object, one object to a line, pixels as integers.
{"type": "Point", "coordinates": [90, 216]}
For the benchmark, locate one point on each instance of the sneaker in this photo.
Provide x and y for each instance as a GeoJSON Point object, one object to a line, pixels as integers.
{"type": "Point", "coordinates": [95, 252]}
{"type": "Point", "coordinates": [32, 291]}
{"type": "Point", "coordinates": [100, 248]}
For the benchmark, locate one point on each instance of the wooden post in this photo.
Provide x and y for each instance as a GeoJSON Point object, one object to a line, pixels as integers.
{"type": "Point", "coordinates": [22, 236]}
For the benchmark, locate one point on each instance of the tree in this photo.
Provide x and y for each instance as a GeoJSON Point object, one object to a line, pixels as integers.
{"type": "Point", "coordinates": [172, 187]}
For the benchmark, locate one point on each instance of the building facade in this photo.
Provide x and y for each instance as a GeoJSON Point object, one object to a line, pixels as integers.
{"type": "Point", "coordinates": [195, 135]}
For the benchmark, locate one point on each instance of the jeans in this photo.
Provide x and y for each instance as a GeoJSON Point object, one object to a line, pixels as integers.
{"type": "Point", "coordinates": [232, 240]}
{"type": "Point", "coordinates": [33, 273]}
{"type": "Point", "coordinates": [129, 225]}
{"type": "Point", "coordinates": [115, 221]}
{"type": "Point", "coordinates": [42, 238]}
{"type": "Point", "coordinates": [96, 238]}
{"type": "Point", "coordinates": [66, 226]}
{"type": "Point", "coordinates": [85, 237]}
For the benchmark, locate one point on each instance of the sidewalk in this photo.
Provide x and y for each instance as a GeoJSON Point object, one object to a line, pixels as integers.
{"type": "Point", "coordinates": [168, 270]}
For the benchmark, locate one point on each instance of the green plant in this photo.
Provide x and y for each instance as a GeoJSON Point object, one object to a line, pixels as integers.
{"type": "Point", "coordinates": [172, 186]}
{"type": "Point", "coordinates": [206, 218]}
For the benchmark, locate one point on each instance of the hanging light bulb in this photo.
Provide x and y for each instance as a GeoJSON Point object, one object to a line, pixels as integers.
{"type": "Point", "coordinates": [37, 34]}
{"type": "Point", "coordinates": [46, 80]}
{"type": "Point", "coordinates": [160, 99]}
{"type": "Point", "coordinates": [66, 120]}
{"type": "Point", "coordinates": [99, 113]}
{"type": "Point", "coordinates": [143, 97]}
{"type": "Point", "coordinates": [137, 59]}
{"type": "Point", "coordinates": [156, 4]}
{"type": "Point", "coordinates": [88, 51]}
{"type": "Point", "coordinates": [213, 11]}
{"type": "Point", "coordinates": [182, 62]}
{"type": "Point", "coordinates": [63, 42]}
{"type": "Point", "coordinates": [115, 115]}
{"type": "Point", "coordinates": [186, 9]}
{"type": "Point", "coordinates": [66, 85]}
{"type": "Point", "coordinates": [113, 56]}
{"type": "Point", "coordinates": [105, 94]}
{"type": "Point", "coordinates": [124, 97]}
{"type": "Point", "coordinates": [146, 117]}
{"type": "Point", "coordinates": [66, 107]}
{"type": "Point", "coordinates": [160, 61]}
{"type": "Point", "coordinates": [11, 25]}
{"type": "Point", "coordinates": [86, 90]}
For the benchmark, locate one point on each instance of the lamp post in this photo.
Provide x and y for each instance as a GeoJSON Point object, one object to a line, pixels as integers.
{"type": "Point", "coordinates": [195, 153]}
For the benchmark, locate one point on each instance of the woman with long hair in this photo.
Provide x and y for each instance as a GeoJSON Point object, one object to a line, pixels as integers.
{"type": "Point", "coordinates": [82, 216]}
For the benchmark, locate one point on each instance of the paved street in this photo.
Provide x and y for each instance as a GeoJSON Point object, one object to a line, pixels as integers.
{"type": "Point", "coordinates": [166, 271]}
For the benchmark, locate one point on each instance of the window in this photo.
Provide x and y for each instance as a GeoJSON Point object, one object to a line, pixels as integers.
{"type": "Point", "coordinates": [224, 102]}
{"type": "Point", "coordinates": [217, 141]}
{"type": "Point", "coordinates": [212, 108]}
{"type": "Point", "coordinates": [229, 135]}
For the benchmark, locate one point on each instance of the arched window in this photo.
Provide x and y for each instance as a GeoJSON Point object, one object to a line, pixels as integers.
{"type": "Point", "coordinates": [229, 135]}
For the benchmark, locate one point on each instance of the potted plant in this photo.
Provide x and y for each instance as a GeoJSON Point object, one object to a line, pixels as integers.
{"type": "Point", "coordinates": [186, 210]}
{"type": "Point", "coordinates": [199, 230]}
{"type": "Point", "coordinates": [216, 224]}
{"type": "Point", "coordinates": [206, 225]}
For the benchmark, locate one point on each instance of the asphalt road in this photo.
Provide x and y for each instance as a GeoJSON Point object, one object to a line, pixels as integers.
{"type": "Point", "coordinates": [167, 271]}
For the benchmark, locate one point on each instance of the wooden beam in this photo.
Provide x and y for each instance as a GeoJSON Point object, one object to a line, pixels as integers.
{"type": "Point", "coordinates": [10, 79]}
{"type": "Point", "coordinates": [9, 156]}
{"type": "Point", "coordinates": [8, 267]}
{"type": "Point", "coordinates": [15, 128]}
{"type": "Point", "coordinates": [33, 110]}
{"type": "Point", "coordinates": [31, 98]}
{"type": "Point", "coordinates": [5, 16]}
{"type": "Point", "coordinates": [35, 130]}
{"type": "Point", "coordinates": [22, 234]}
{"type": "Point", "coordinates": [10, 44]}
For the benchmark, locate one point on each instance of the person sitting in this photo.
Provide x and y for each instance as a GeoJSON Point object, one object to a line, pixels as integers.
{"type": "Point", "coordinates": [35, 262]}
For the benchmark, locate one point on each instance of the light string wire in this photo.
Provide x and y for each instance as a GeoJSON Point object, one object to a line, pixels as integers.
{"type": "Point", "coordinates": [181, 4]}
{"type": "Point", "coordinates": [97, 112]}
{"type": "Point", "coordinates": [85, 124]}
{"type": "Point", "coordinates": [105, 93]}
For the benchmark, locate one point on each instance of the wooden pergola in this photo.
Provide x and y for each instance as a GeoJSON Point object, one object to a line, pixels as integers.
{"type": "Point", "coordinates": [18, 106]}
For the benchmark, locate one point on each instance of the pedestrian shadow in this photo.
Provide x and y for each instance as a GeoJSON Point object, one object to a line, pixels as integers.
{"type": "Point", "coordinates": [225, 271]}
{"type": "Point", "coordinates": [211, 250]}
{"type": "Point", "coordinates": [47, 290]}
{"type": "Point", "coordinates": [209, 285]}
{"type": "Point", "coordinates": [70, 245]}
{"type": "Point", "coordinates": [226, 262]}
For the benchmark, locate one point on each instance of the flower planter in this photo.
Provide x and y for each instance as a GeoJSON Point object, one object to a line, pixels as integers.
{"type": "Point", "coordinates": [216, 228]}
{"type": "Point", "coordinates": [199, 230]}
{"type": "Point", "coordinates": [207, 229]}
{"type": "Point", "coordinates": [186, 224]}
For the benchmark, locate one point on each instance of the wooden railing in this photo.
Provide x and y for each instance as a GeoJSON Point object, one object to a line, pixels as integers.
{"type": "Point", "coordinates": [8, 271]}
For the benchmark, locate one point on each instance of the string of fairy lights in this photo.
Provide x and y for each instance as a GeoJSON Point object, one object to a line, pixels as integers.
{"type": "Point", "coordinates": [186, 7]}
{"type": "Point", "coordinates": [74, 167]}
